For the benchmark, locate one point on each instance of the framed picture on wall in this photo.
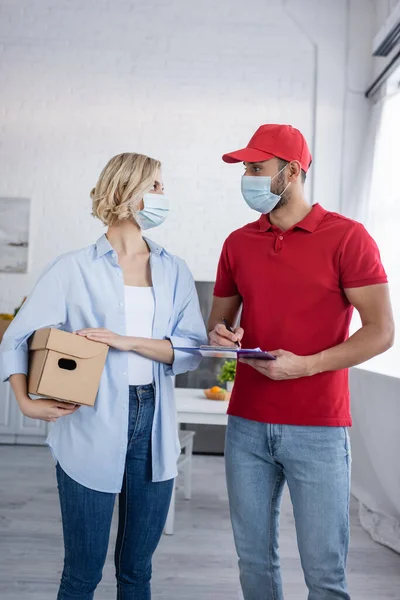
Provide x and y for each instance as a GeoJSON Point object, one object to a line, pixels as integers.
{"type": "Point", "coordinates": [14, 235]}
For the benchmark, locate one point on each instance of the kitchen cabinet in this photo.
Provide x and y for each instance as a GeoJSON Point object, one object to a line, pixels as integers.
{"type": "Point", "coordinates": [15, 428]}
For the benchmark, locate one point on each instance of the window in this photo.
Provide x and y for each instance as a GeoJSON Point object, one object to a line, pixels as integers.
{"type": "Point", "coordinates": [383, 221]}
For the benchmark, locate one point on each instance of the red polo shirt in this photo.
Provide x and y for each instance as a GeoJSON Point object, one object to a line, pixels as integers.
{"type": "Point", "coordinates": [292, 286]}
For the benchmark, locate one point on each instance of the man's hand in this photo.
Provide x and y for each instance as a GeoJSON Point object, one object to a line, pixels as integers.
{"type": "Point", "coordinates": [45, 409]}
{"type": "Point", "coordinates": [113, 340]}
{"type": "Point", "coordinates": [286, 366]}
{"type": "Point", "coordinates": [220, 336]}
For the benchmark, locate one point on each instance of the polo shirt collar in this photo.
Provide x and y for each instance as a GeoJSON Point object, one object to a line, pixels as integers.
{"type": "Point", "coordinates": [103, 246]}
{"type": "Point", "coordinates": [309, 223]}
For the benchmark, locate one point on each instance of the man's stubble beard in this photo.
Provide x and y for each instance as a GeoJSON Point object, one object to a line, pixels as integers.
{"type": "Point", "coordinates": [279, 186]}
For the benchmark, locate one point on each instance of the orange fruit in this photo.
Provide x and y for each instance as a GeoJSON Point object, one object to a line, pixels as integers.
{"type": "Point", "coordinates": [215, 389]}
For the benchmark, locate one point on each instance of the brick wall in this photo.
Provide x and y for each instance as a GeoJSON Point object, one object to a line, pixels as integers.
{"type": "Point", "coordinates": [183, 81]}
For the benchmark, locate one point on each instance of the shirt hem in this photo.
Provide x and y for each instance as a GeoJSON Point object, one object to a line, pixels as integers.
{"type": "Point", "coordinates": [161, 478]}
{"type": "Point", "coordinates": [155, 479]}
{"type": "Point", "coordinates": [76, 479]}
{"type": "Point", "coordinates": [311, 422]}
{"type": "Point", "coordinates": [224, 294]}
{"type": "Point", "coordinates": [364, 282]}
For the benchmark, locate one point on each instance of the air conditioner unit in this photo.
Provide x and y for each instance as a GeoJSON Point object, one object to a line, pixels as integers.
{"type": "Point", "coordinates": [389, 36]}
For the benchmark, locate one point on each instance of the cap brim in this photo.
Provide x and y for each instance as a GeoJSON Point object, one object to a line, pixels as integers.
{"type": "Point", "coordinates": [250, 155]}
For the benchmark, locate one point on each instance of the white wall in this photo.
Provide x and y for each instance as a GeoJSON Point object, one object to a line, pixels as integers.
{"type": "Point", "coordinates": [183, 81]}
{"type": "Point", "coordinates": [375, 448]}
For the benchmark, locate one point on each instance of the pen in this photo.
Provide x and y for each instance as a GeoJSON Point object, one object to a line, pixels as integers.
{"type": "Point", "coordinates": [229, 328]}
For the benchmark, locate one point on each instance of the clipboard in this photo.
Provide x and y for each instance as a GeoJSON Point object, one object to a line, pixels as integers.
{"type": "Point", "coordinates": [224, 352]}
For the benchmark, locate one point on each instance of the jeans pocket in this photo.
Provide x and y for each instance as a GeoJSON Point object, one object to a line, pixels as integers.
{"type": "Point", "coordinates": [347, 443]}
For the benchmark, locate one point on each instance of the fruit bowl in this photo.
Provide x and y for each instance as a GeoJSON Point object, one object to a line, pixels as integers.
{"type": "Point", "coordinates": [217, 393]}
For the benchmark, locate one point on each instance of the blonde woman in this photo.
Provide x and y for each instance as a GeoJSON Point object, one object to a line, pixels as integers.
{"type": "Point", "coordinates": [131, 294]}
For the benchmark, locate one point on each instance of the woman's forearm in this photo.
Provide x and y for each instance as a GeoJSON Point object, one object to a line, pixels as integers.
{"type": "Point", "coordinates": [19, 384]}
{"type": "Point", "coordinates": [158, 350]}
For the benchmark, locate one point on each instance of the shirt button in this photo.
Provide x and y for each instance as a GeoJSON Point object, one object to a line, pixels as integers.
{"type": "Point", "coordinates": [281, 237]}
{"type": "Point", "coordinates": [120, 304]}
{"type": "Point", "coordinates": [124, 374]}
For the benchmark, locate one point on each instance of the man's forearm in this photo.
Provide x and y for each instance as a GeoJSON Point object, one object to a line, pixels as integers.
{"type": "Point", "coordinates": [224, 308]}
{"type": "Point", "coordinates": [367, 342]}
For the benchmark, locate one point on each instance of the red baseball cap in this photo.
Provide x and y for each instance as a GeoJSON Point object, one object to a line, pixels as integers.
{"type": "Point", "coordinates": [274, 141]}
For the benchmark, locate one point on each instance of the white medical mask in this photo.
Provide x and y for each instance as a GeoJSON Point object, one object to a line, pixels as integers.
{"type": "Point", "coordinates": [154, 212]}
{"type": "Point", "coordinates": [257, 192]}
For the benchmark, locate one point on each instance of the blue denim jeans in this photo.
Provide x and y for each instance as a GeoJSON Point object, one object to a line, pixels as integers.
{"type": "Point", "coordinates": [315, 463]}
{"type": "Point", "coordinates": [143, 509]}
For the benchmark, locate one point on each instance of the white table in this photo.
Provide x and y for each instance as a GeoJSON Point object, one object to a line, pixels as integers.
{"type": "Point", "coordinates": [193, 407]}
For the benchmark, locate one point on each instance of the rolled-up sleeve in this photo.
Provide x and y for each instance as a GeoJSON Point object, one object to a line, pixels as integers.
{"type": "Point", "coordinates": [44, 307]}
{"type": "Point", "coordinates": [189, 329]}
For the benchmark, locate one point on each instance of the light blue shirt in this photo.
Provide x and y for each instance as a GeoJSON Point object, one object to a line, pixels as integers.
{"type": "Point", "coordinates": [84, 289]}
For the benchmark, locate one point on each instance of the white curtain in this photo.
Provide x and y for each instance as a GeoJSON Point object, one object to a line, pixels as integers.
{"type": "Point", "coordinates": [375, 389]}
{"type": "Point", "coordinates": [358, 206]}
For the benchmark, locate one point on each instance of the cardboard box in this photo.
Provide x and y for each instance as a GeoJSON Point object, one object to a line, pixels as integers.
{"type": "Point", "coordinates": [65, 366]}
{"type": "Point", "coordinates": [4, 323]}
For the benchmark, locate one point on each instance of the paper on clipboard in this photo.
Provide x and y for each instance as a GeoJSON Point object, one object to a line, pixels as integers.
{"type": "Point", "coordinates": [224, 352]}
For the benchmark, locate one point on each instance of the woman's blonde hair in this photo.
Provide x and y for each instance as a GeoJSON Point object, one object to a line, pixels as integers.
{"type": "Point", "coordinates": [121, 186]}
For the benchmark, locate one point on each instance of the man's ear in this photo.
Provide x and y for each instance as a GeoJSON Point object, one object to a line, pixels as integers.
{"type": "Point", "coordinates": [294, 170]}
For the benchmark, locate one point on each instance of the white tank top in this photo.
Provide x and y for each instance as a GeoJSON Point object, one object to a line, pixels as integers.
{"type": "Point", "coordinates": [139, 314]}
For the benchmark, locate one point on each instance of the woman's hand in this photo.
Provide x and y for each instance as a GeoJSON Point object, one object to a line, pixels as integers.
{"type": "Point", "coordinates": [113, 340]}
{"type": "Point", "coordinates": [45, 409]}
{"type": "Point", "coordinates": [158, 350]}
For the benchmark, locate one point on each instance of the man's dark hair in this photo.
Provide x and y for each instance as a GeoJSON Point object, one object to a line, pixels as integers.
{"type": "Point", "coordinates": [283, 163]}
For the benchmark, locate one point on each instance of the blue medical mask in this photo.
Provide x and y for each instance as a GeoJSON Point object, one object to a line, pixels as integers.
{"type": "Point", "coordinates": [154, 212]}
{"type": "Point", "coordinates": [257, 192]}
